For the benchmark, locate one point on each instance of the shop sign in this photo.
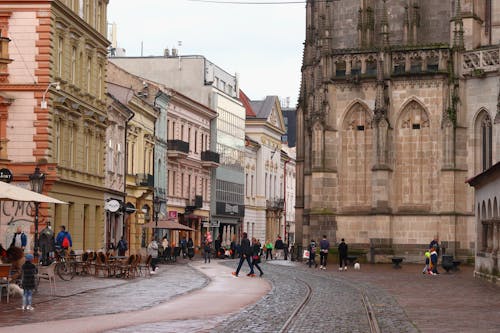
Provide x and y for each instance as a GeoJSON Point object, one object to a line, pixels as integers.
{"type": "Point", "coordinates": [214, 223]}
{"type": "Point", "coordinates": [5, 175]}
{"type": "Point", "coordinates": [172, 214]}
{"type": "Point", "coordinates": [112, 206]}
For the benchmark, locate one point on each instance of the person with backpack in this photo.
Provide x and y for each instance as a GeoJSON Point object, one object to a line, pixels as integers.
{"type": "Point", "coordinates": [122, 247]}
{"type": "Point", "coordinates": [312, 254]}
{"type": "Point", "coordinates": [63, 239]}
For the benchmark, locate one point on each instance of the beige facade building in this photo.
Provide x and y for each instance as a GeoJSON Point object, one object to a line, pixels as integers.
{"type": "Point", "coordinates": [392, 119]}
{"type": "Point", "coordinates": [53, 84]}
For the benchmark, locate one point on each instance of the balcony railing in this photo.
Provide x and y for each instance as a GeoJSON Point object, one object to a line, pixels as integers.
{"type": "Point", "coordinates": [177, 148]}
{"type": "Point", "coordinates": [275, 204]}
{"type": "Point", "coordinates": [478, 62]}
{"type": "Point", "coordinates": [210, 159]}
{"type": "Point", "coordinates": [145, 179]}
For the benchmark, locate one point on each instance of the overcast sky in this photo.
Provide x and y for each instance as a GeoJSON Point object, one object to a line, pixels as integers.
{"type": "Point", "coordinates": [263, 43]}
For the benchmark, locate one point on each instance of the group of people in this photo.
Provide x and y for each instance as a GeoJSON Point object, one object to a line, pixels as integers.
{"type": "Point", "coordinates": [251, 254]}
{"type": "Point", "coordinates": [278, 247]}
{"type": "Point", "coordinates": [431, 258]}
{"type": "Point", "coordinates": [28, 270]}
{"type": "Point", "coordinates": [324, 248]}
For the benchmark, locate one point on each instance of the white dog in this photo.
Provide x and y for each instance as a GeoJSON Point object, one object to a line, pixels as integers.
{"type": "Point", "coordinates": [357, 266]}
{"type": "Point", "coordinates": [15, 290]}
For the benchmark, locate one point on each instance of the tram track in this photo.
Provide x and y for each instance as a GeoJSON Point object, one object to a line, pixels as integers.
{"type": "Point", "coordinates": [370, 313]}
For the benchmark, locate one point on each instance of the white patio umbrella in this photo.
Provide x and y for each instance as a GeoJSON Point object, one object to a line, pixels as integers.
{"type": "Point", "coordinates": [16, 193]}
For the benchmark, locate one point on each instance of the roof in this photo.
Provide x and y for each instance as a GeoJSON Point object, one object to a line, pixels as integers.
{"type": "Point", "coordinates": [120, 93]}
{"type": "Point", "coordinates": [477, 180]}
{"type": "Point", "coordinates": [263, 109]}
{"type": "Point", "coordinates": [246, 103]}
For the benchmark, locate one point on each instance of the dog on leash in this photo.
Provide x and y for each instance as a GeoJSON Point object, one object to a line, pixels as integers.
{"type": "Point", "coordinates": [357, 266]}
{"type": "Point", "coordinates": [15, 290]}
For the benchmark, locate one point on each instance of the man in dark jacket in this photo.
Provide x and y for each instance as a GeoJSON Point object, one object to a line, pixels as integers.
{"type": "Point", "coordinates": [342, 255]}
{"type": "Point", "coordinates": [246, 254]}
{"type": "Point", "coordinates": [28, 281]}
{"type": "Point", "coordinates": [324, 246]}
{"type": "Point", "coordinates": [279, 247]}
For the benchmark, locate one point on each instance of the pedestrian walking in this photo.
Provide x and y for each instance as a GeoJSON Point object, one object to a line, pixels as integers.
{"type": "Point", "coordinates": [190, 246]}
{"type": "Point", "coordinates": [342, 255]}
{"type": "Point", "coordinates": [184, 247]}
{"type": "Point", "coordinates": [19, 239]}
{"type": "Point", "coordinates": [63, 239]}
{"type": "Point", "coordinates": [269, 249]}
{"type": "Point", "coordinates": [427, 256]}
{"type": "Point", "coordinates": [434, 260]}
{"type": "Point", "coordinates": [255, 258]}
{"type": "Point", "coordinates": [152, 250]}
{"type": "Point", "coordinates": [312, 254]}
{"type": "Point", "coordinates": [28, 282]}
{"type": "Point", "coordinates": [245, 254]}
{"type": "Point", "coordinates": [324, 247]}
{"type": "Point", "coordinates": [206, 249]}
{"type": "Point", "coordinates": [279, 247]}
{"type": "Point", "coordinates": [122, 247]}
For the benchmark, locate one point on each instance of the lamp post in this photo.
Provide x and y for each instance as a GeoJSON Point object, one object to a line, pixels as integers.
{"type": "Point", "coordinates": [157, 208]}
{"type": "Point", "coordinates": [37, 179]}
{"type": "Point", "coordinates": [43, 104]}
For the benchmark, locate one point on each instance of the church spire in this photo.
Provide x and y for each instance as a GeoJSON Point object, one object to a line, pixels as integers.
{"type": "Point", "coordinates": [384, 26]}
{"type": "Point", "coordinates": [458, 33]}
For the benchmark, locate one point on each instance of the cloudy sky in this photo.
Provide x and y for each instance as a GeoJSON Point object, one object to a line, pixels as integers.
{"type": "Point", "coordinates": [263, 43]}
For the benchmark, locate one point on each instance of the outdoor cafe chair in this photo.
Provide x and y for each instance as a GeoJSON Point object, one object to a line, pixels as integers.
{"type": "Point", "coordinates": [102, 265]}
{"type": "Point", "coordinates": [145, 266]}
{"type": "Point", "coordinates": [5, 279]}
{"type": "Point", "coordinates": [123, 269]}
{"type": "Point", "coordinates": [48, 273]}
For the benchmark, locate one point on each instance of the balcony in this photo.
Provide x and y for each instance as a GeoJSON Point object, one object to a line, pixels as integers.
{"type": "Point", "coordinates": [145, 179]}
{"type": "Point", "coordinates": [177, 149]}
{"type": "Point", "coordinates": [275, 204]}
{"type": "Point", "coordinates": [479, 62]}
{"type": "Point", "coordinates": [193, 204]}
{"type": "Point", "coordinates": [210, 159]}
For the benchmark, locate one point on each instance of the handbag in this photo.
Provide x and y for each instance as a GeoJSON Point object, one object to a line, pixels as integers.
{"type": "Point", "coordinates": [306, 254]}
{"type": "Point", "coordinates": [256, 257]}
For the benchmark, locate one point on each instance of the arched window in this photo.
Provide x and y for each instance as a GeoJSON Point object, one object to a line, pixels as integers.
{"type": "Point", "coordinates": [483, 136]}
{"type": "Point", "coordinates": [357, 152]}
{"type": "Point", "coordinates": [414, 157]}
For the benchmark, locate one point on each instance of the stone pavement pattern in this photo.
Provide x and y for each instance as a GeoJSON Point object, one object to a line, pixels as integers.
{"type": "Point", "coordinates": [335, 305]}
{"type": "Point", "coordinates": [97, 296]}
{"type": "Point", "coordinates": [400, 298]}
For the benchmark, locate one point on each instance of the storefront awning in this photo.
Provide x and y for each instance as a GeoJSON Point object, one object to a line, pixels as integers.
{"type": "Point", "coordinates": [167, 224]}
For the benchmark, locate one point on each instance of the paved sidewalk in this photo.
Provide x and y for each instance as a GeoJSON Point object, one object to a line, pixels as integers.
{"type": "Point", "coordinates": [200, 304]}
{"type": "Point", "coordinates": [448, 302]}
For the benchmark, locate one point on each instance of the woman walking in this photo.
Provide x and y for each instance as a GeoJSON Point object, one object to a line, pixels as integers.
{"type": "Point", "coordinates": [255, 257]}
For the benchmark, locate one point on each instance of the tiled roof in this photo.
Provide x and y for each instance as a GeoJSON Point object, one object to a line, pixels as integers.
{"type": "Point", "coordinates": [246, 103]}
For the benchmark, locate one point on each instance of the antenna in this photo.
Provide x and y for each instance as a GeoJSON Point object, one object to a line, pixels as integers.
{"type": "Point", "coordinates": [179, 44]}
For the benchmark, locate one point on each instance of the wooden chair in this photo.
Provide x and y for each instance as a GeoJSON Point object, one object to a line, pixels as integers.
{"type": "Point", "coordinates": [146, 266]}
{"type": "Point", "coordinates": [5, 279]}
{"type": "Point", "coordinates": [48, 273]}
{"type": "Point", "coordinates": [124, 268]}
{"type": "Point", "coordinates": [102, 265]}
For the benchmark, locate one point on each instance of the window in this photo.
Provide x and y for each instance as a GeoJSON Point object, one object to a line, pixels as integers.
{"type": "Point", "coordinates": [189, 187]}
{"type": "Point", "coordinates": [195, 142]}
{"type": "Point", "coordinates": [251, 184]}
{"type": "Point", "coordinates": [73, 65]}
{"type": "Point", "coordinates": [57, 148]}
{"type": "Point", "coordinates": [87, 152]}
{"type": "Point", "coordinates": [182, 133]}
{"type": "Point", "coordinates": [182, 185]}
{"type": "Point", "coordinates": [71, 146]}
{"type": "Point", "coordinates": [60, 56]}
{"type": "Point", "coordinates": [100, 81]}
{"type": "Point", "coordinates": [246, 185]}
{"type": "Point", "coordinates": [189, 136]}
{"type": "Point", "coordinates": [89, 73]}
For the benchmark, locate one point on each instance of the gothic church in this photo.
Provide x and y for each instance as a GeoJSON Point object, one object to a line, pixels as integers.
{"type": "Point", "coordinates": [399, 106]}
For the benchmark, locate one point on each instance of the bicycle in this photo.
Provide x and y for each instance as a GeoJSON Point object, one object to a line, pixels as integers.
{"type": "Point", "coordinates": [65, 268]}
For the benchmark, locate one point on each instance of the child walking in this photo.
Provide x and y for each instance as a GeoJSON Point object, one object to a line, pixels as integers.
{"type": "Point", "coordinates": [29, 273]}
{"type": "Point", "coordinates": [427, 269]}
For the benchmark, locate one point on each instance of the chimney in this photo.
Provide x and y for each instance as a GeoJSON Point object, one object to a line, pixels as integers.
{"type": "Point", "coordinates": [166, 53]}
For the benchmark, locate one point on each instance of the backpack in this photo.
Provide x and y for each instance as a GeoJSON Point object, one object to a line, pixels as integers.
{"type": "Point", "coordinates": [65, 243]}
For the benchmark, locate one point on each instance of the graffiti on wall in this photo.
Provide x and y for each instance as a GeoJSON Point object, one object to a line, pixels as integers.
{"type": "Point", "coordinates": [15, 214]}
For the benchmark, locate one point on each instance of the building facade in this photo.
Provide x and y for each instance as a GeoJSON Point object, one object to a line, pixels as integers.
{"type": "Point", "coordinates": [264, 169]}
{"type": "Point", "coordinates": [54, 108]}
{"type": "Point", "coordinates": [190, 164]}
{"type": "Point", "coordinates": [204, 82]}
{"type": "Point", "coordinates": [386, 133]}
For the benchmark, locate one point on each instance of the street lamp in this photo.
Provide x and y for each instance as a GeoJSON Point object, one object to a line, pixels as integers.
{"type": "Point", "coordinates": [37, 179]}
{"type": "Point", "coordinates": [156, 207]}
{"type": "Point", "coordinates": [43, 104]}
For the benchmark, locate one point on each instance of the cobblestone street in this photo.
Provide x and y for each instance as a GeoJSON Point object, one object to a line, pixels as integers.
{"type": "Point", "coordinates": [402, 300]}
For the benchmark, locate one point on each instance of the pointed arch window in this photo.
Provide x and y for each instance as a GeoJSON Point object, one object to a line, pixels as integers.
{"type": "Point", "coordinates": [486, 142]}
